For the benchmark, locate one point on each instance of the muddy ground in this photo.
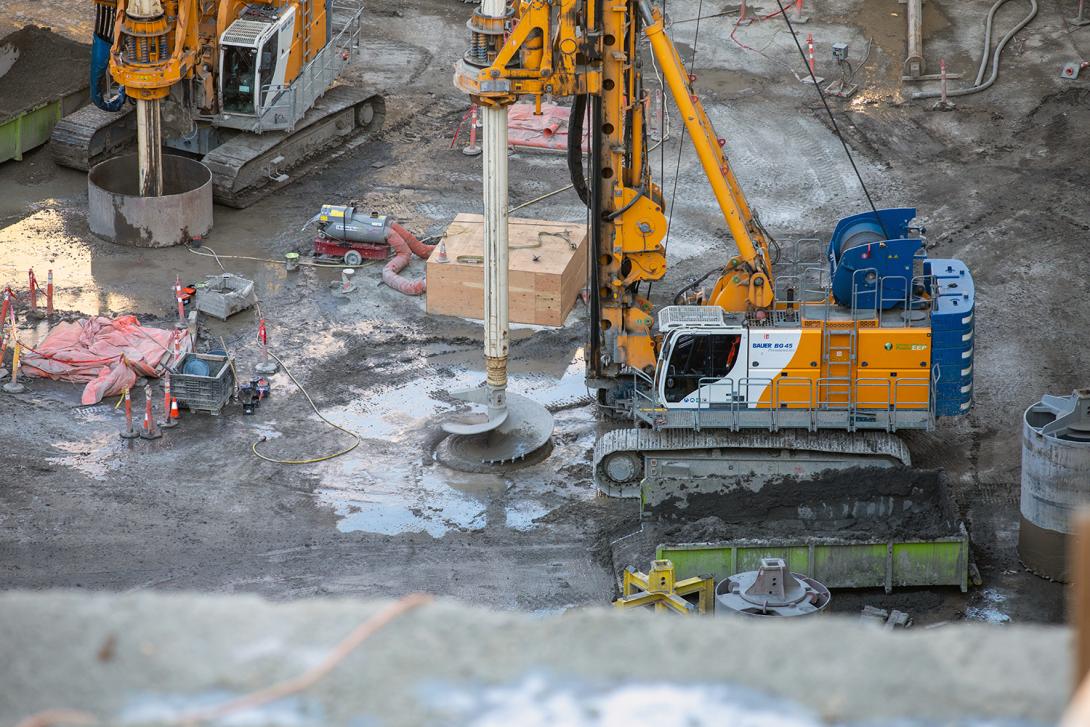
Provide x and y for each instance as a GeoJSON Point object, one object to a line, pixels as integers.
{"type": "Point", "coordinates": [36, 65]}
{"type": "Point", "coordinates": [1000, 182]}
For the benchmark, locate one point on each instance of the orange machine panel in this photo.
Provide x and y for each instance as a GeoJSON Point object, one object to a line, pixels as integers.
{"type": "Point", "coordinates": [894, 348]}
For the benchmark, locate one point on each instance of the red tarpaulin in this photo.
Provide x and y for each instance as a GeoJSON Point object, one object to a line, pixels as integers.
{"type": "Point", "coordinates": [547, 131]}
{"type": "Point", "coordinates": [107, 353]}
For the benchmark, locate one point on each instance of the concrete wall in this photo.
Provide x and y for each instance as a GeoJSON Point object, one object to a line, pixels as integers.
{"type": "Point", "coordinates": [144, 658]}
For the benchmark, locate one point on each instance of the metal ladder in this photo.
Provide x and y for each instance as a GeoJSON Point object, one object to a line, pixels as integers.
{"type": "Point", "coordinates": [839, 347]}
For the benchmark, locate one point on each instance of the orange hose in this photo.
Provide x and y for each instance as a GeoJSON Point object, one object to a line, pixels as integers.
{"type": "Point", "coordinates": [420, 249]}
{"type": "Point", "coordinates": [401, 258]}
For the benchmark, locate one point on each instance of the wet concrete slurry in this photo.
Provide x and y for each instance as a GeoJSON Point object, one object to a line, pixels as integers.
{"type": "Point", "coordinates": [999, 183]}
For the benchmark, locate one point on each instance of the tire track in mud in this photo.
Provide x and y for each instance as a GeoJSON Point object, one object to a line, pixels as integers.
{"type": "Point", "coordinates": [788, 168]}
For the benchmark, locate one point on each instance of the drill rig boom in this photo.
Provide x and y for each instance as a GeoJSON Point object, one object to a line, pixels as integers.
{"type": "Point", "coordinates": [748, 281]}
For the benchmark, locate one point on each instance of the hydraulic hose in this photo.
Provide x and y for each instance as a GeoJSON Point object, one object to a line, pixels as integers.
{"type": "Point", "coordinates": [979, 84]}
{"type": "Point", "coordinates": [678, 298]}
{"type": "Point", "coordinates": [575, 147]}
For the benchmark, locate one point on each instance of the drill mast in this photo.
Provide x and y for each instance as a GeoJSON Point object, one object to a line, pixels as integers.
{"type": "Point", "coordinates": [590, 50]}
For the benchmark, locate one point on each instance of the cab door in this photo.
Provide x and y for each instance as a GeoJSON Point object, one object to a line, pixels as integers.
{"type": "Point", "coordinates": [703, 368]}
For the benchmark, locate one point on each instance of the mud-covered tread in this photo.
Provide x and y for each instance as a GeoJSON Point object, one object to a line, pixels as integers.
{"type": "Point", "coordinates": [73, 142]}
{"type": "Point", "coordinates": [643, 441]}
{"type": "Point", "coordinates": [229, 161]}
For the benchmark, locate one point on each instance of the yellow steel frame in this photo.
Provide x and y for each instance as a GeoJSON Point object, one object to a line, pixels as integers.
{"type": "Point", "coordinates": [658, 588]}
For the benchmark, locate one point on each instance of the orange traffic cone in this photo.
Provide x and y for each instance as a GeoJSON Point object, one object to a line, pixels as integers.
{"type": "Point", "coordinates": [172, 416]}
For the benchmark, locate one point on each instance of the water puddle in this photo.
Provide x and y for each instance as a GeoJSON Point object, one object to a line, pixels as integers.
{"type": "Point", "coordinates": [41, 241]}
{"type": "Point", "coordinates": [543, 698]}
{"type": "Point", "coordinates": [397, 489]}
{"type": "Point", "coordinates": [521, 515]}
{"type": "Point", "coordinates": [96, 457]}
{"type": "Point", "coordinates": [398, 413]}
{"type": "Point", "coordinates": [389, 498]}
{"type": "Point", "coordinates": [988, 609]}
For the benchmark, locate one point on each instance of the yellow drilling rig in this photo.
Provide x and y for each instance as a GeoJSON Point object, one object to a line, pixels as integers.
{"type": "Point", "coordinates": [247, 86]}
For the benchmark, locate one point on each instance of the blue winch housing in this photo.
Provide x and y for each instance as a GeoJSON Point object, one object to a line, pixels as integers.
{"type": "Point", "coordinates": [871, 259]}
{"type": "Point", "coordinates": [872, 263]}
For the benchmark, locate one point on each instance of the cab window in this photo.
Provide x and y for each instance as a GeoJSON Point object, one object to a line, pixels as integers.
{"type": "Point", "coordinates": [696, 357]}
{"type": "Point", "coordinates": [239, 79]}
{"type": "Point", "coordinates": [268, 66]}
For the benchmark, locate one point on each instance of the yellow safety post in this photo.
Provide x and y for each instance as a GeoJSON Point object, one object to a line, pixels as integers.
{"type": "Point", "coordinates": [13, 386]}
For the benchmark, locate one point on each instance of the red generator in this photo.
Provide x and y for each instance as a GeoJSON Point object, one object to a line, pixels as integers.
{"type": "Point", "coordinates": [349, 236]}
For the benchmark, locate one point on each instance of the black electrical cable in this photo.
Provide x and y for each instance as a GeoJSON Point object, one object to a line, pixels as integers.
{"type": "Point", "coordinates": [836, 128]}
{"type": "Point", "coordinates": [576, 117]}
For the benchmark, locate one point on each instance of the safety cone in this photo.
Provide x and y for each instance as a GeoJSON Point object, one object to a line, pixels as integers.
{"type": "Point", "coordinates": [172, 420]}
{"type": "Point", "coordinates": [13, 386]}
{"type": "Point", "coordinates": [743, 14]}
{"type": "Point", "coordinates": [812, 77]}
{"type": "Point", "coordinates": [3, 325]}
{"type": "Point", "coordinates": [799, 17]}
{"type": "Point", "coordinates": [4, 336]}
{"type": "Point", "coordinates": [176, 356]}
{"type": "Point", "coordinates": [441, 256]}
{"type": "Point", "coordinates": [473, 148]}
{"type": "Point", "coordinates": [347, 286]}
{"type": "Point", "coordinates": [151, 427]}
{"type": "Point", "coordinates": [33, 284]}
{"type": "Point", "coordinates": [182, 324]}
{"type": "Point", "coordinates": [128, 432]}
{"type": "Point", "coordinates": [944, 103]}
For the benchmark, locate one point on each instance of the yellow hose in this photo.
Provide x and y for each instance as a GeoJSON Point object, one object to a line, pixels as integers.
{"type": "Point", "coordinates": [213, 254]}
{"type": "Point", "coordinates": [315, 408]}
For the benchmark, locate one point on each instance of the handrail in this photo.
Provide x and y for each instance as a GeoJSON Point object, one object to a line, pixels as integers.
{"type": "Point", "coordinates": [778, 402]}
{"type": "Point", "coordinates": [909, 405]}
{"type": "Point", "coordinates": [716, 397]}
{"type": "Point", "coordinates": [857, 293]}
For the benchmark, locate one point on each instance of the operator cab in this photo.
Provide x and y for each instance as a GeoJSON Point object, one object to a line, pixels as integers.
{"type": "Point", "coordinates": [703, 358]}
{"type": "Point", "coordinates": [254, 58]}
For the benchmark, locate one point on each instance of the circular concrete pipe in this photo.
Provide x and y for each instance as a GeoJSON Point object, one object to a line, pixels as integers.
{"type": "Point", "coordinates": [117, 213]}
{"type": "Point", "coordinates": [1055, 480]}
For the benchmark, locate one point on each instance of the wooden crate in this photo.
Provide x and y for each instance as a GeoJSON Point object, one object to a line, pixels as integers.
{"type": "Point", "coordinates": [548, 268]}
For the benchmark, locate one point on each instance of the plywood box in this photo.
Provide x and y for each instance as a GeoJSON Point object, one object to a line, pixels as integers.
{"type": "Point", "coordinates": [548, 268]}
